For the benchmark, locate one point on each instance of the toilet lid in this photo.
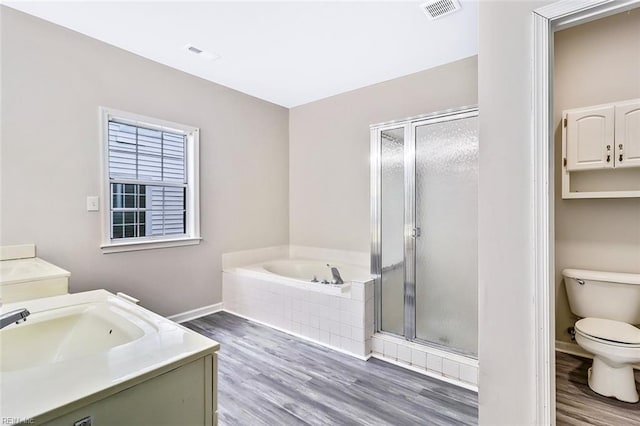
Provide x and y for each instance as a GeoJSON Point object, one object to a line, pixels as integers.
{"type": "Point", "coordinates": [605, 329]}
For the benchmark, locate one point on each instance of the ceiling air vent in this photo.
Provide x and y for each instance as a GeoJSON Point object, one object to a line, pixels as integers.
{"type": "Point", "coordinates": [201, 53]}
{"type": "Point", "coordinates": [194, 49]}
{"type": "Point", "coordinates": [435, 9]}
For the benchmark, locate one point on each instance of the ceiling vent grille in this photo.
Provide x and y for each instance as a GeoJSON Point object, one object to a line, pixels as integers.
{"type": "Point", "coordinates": [435, 9]}
{"type": "Point", "coordinates": [201, 53]}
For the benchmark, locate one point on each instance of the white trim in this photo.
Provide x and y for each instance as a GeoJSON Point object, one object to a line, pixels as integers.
{"type": "Point", "coordinates": [428, 373]}
{"type": "Point", "coordinates": [543, 222]}
{"type": "Point", "coordinates": [192, 170]}
{"type": "Point", "coordinates": [196, 313]}
{"type": "Point", "coordinates": [299, 336]}
{"type": "Point", "coordinates": [193, 183]}
{"type": "Point", "coordinates": [148, 245]}
{"type": "Point", "coordinates": [546, 20]}
{"type": "Point", "coordinates": [126, 117]}
{"type": "Point", "coordinates": [568, 13]}
{"type": "Point", "coordinates": [597, 194]}
{"type": "Point", "coordinates": [104, 174]}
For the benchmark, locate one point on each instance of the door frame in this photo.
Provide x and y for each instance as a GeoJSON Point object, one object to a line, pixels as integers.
{"type": "Point", "coordinates": [546, 21]}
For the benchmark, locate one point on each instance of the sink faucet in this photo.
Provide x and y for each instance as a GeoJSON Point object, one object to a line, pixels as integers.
{"type": "Point", "coordinates": [337, 279]}
{"type": "Point", "coordinates": [16, 316]}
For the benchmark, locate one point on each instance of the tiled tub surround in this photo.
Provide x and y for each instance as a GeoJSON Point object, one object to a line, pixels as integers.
{"type": "Point", "coordinates": [447, 366]}
{"type": "Point", "coordinates": [340, 317]}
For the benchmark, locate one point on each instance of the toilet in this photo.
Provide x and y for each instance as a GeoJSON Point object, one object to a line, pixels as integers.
{"type": "Point", "coordinates": [608, 304]}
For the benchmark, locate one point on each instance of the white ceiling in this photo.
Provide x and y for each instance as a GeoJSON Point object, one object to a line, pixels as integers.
{"type": "Point", "coordinates": [288, 53]}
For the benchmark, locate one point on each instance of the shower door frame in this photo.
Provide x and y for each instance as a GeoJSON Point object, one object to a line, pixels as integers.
{"type": "Point", "coordinates": [410, 126]}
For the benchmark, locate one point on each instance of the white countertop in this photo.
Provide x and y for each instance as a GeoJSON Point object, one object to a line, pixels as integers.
{"type": "Point", "coordinates": [30, 269]}
{"type": "Point", "coordinates": [48, 390]}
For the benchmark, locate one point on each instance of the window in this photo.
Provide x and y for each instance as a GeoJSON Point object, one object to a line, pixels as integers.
{"type": "Point", "coordinates": [151, 183]}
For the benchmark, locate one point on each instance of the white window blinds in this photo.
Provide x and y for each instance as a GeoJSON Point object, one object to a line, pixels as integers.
{"type": "Point", "coordinates": [148, 181]}
{"type": "Point", "coordinates": [138, 153]}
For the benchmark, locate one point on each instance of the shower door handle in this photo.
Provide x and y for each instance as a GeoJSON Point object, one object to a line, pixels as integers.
{"type": "Point", "coordinates": [416, 232]}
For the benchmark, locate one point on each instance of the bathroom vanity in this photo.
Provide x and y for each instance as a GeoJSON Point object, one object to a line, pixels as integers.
{"type": "Point", "coordinates": [94, 358]}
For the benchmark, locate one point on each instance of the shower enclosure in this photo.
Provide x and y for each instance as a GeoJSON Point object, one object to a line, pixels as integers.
{"type": "Point", "coordinates": [424, 229]}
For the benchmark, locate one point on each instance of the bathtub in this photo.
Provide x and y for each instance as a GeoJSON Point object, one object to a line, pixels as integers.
{"type": "Point", "coordinates": [302, 272]}
{"type": "Point", "coordinates": [280, 293]}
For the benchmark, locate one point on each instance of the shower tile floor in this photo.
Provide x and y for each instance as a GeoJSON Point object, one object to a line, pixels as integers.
{"type": "Point", "coordinates": [266, 377]}
{"type": "Point", "coordinates": [577, 404]}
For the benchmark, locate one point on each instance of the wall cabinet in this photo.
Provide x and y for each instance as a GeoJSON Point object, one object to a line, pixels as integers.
{"type": "Point", "coordinates": [627, 134]}
{"type": "Point", "coordinates": [602, 137]}
{"type": "Point", "coordinates": [590, 138]}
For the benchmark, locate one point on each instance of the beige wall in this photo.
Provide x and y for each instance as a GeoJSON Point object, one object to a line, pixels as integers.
{"type": "Point", "coordinates": [53, 81]}
{"type": "Point", "coordinates": [506, 341]}
{"type": "Point", "coordinates": [329, 150]}
{"type": "Point", "coordinates": [595, 63]}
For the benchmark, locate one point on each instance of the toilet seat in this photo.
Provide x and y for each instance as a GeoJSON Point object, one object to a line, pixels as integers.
{"type": "Point", "coordinates": [609, 332]}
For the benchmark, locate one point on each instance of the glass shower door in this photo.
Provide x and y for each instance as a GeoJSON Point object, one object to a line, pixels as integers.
{"type": "Point", "coordinates": [392, 183]}
{"type": "Point", "coordinates": [446, 212]}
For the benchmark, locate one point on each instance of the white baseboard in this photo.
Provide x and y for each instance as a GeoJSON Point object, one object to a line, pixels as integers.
{"type": "Point", "coordinates": [196, 313]}
{"type": "Point", "coordinates": [575, 349]}
{"type": "Point", "coordinates": [572, 349]}
{"type": "Point", "coordinates": [455, 382]}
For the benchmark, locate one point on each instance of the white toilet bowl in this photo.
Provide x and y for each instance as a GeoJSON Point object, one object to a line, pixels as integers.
{"type": "Point", "coordinates": [615, 346]}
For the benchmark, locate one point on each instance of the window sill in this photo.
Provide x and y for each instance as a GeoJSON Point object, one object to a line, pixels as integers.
{"type": "Point", "coordinates": [148, 245]}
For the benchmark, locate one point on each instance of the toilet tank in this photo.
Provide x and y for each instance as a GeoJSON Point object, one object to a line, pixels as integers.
{"type": "Point", "coordinates": [608, 295]}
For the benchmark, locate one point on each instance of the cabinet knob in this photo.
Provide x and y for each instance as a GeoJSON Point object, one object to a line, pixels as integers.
{"type": "Point", "coordinates": [620, 157]}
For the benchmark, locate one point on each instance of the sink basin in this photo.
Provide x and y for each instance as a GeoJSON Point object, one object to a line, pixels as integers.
{"type": "Point", "coordinates": [75, 349]}
{"type": "Point", "coordinates": [65, 333]}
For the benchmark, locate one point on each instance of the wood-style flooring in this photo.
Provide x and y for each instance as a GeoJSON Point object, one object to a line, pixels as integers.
{"type": "Point", "coordinates": [577, 404]}
{"type": "Point", "coordinates": [266, 377]}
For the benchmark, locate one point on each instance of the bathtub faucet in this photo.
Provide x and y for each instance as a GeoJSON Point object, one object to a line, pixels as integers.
{"type": "Point", "coordinates": [14, 316]}
{"type": "Point", "coordinates": [337, 279]}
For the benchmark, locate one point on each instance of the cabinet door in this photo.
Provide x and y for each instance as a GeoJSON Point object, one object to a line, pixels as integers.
{"type": "Point", "coordinates": [627, 143]}
{"type": "Point", "coordinates": [589, 138]}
